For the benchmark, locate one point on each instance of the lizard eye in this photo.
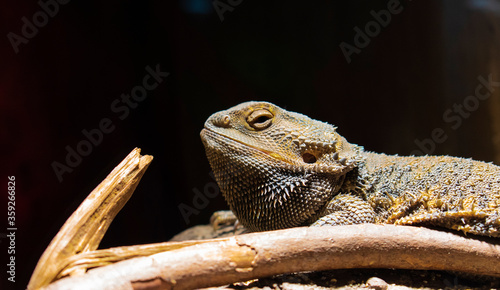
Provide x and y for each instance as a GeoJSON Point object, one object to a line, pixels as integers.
{"type": "Point", "coordinates": [260, 119]}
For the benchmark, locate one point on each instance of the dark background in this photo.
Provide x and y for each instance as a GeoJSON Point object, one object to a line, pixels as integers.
{"type": "Point", "coordinates": [392, 95]}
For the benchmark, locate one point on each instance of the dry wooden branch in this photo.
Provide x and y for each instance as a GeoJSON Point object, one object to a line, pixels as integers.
{"type": "Point", "coordinates": [84, 230]}
{"type": "Point", "coordinates": [81, 262]}
{"type": "Point", "coordinates": [255, 255]}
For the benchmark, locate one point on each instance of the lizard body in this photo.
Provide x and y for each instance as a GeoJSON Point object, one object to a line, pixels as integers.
{"type": "Point", "coordinates": [279, 169]}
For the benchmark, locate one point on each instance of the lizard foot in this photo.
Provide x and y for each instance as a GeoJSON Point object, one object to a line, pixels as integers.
{"type": "Point", "coordinates": [225, 222]}
{"type": "Point", "coordinates": [222, 218]}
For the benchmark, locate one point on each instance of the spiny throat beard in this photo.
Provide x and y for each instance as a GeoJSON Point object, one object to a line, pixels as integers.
{"type": "Point", "coordinates": [263, 192]}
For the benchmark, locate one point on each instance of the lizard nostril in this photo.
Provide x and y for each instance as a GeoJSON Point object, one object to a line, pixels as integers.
{"type": "Point", "coordinates": [226, 120]}
{"type": "Point", "coordinates": [223, 121]}
{"type": "Point", "coordinates": [308, 158]}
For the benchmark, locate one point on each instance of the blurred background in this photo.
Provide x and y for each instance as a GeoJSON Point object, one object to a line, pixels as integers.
{"type": "Point", "coordinates": [399, 77]}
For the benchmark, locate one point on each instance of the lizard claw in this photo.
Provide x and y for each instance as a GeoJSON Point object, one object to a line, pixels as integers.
{"type": "Point", "coordinates": [223, 218]}
{"type": "Point", "coordinates": [225, 223]}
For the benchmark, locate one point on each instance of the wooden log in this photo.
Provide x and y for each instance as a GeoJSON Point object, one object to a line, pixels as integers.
{"type": "Point", "coordinates": [255, 255]}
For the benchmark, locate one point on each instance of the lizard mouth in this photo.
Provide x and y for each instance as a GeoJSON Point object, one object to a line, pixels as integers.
{"type": "Point", "coordinates": [207, 133]}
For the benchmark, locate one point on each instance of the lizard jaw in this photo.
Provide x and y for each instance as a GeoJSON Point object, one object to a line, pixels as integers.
{"type": "Point", "coordinates": [206, 132]}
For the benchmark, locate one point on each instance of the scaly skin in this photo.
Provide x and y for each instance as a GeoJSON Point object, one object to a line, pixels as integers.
{"type": "Point", "coordinates": [280, 169]}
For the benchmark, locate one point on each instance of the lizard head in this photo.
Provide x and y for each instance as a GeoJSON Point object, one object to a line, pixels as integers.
{"type": "Point", "coordinates": [276, 169]}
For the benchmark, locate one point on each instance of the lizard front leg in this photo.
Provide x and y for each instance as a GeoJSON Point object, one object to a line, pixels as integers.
{"type": "Point", "coordinates": [346, 209]}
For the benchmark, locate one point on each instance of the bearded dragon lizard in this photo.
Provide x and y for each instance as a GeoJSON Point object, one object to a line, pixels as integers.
{"type": "Point", "coordinates": [279, 169]}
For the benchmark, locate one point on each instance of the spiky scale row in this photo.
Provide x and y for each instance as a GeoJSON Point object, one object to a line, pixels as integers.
{"type": "Point", "coordinates": [279, 169]}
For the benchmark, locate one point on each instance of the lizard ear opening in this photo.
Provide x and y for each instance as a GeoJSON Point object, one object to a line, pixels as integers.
{"type": "Point", "coordinates": [308, 158]}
